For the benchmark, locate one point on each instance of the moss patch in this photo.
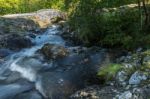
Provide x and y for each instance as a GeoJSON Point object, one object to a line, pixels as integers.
{"type": "Point", "coordinates": [108, 72]}
{"type": "Point", "coordinates": [146, 53]}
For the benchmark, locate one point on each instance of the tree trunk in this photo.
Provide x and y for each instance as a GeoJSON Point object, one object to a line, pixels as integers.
{"type": "Point", "coordinates": [145, 12]}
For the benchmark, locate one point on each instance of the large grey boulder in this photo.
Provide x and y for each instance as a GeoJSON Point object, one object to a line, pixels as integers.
{"type": "Point", "coordinates": [21, 25]}
{"type": "Point", "coordinates": [43, 17]}
{"type": "Point", "coordinates": [137, 77]}
{"type": "Point", "coordinates": [14, 42]}
{"type": "Point", "coordinates": [29, 95]}
{"type": "Point", "coordinates": [9, 91]}
{"type": "Point", "coordinates": [53, 51]}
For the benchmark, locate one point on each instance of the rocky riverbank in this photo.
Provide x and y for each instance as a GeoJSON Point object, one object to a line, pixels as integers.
{"type": "Point", "coordinates": [47, 65]}
{"type": "Point", "coordinates": [18, 30]}
{"type": "Point", "coordinates": [130, 81]}
{"type": "Point", "coordinates": [46, 60]}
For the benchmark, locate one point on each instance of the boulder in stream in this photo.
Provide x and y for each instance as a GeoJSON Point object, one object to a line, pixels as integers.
{"type": "Point", "coordinates": [5, 52]}
{"type": "Point", "coordinates": [29, 95]}
{"type": "Point", "coordinates": [11, 90]}
{"type": "Point", "coordinates": [14, 42]}
{"type": "Point", "coordinates": [54, 51]}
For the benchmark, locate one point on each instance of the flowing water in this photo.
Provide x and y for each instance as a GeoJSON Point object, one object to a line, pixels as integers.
{"type": "Point", "coordinates": [27, 70]}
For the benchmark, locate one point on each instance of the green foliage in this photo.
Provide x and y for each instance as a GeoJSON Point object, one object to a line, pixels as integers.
{"type": "Point", "coordinates": [21, 6]}
{"type": "Point", "coordinates": [115, 3]}
{"type": "Point", "coordinates": [123, 27]}
{"type": "Point", "coordinates": [109, 72]}
{"type": "Point", "coordinates": [110, 28]}
{"type": "Point", "coordinates": [146, 53]}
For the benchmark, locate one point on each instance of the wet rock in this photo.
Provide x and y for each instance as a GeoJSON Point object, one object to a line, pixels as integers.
{"type": "Point", "coordinates": [137, 62]}
{"type": "Point", "coordinates": [15, 42]}
{"type": "Point", "coordinates": [73, 72]}
{"type": "Point", "coordinates": [54, 51]}
{"type": "Point", "coordinates": [16, 25]}
{"type": "Point", "coordinates": [57, 85]}
{"type": "Point", "coordinates": [71, 37]}
{"type": "Point", "coordinates": [125, 59]}
{"type": "Point", "coordinates": [32, 63]}
{"type": "Point", "coordinates": [14, 76]}
{"type": "Point", "coordinates": [31, 35]}
{"type": "Point", "coordinates": [146, 90]}
{"type": "Point", "coordinates": [10, 90]}
{"type": "Point", "coordinates": [139, 50]}
{"type": "Point", "coordinates": [121, 77]}
{"type": "Point", "coordinates": [128, 66]}
{"type": "Point", "coordinates": [139, 93]}
{"type": "Point", "coordinates": [29, 95]}
{"type": "Point", "coordinates": [18, 42]}
{"type": "Point", "coordinates": [121, 59]}
{"type": "Point", "coordinates": [146, 60]}
{"type": "Point", "coordinates": [74, 60]}
{"type": "Point", "coordinates": [77, 49]}
{"type": "Point", "coordinates": [5, 52]}
{"type": "Point", "coordinates": [95, 92]}
{"type": "Point", "coordinates": [13, 32]}
{"type": "Point", "coordinates": [126, 95]}
{"type": "Point", "coordinates": [137, 77]}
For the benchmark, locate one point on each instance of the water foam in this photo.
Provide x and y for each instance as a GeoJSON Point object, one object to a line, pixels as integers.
{"type": "Point", "coordinates": [27, 73]}
{"type": "Point", "coordinates": [30, 73]}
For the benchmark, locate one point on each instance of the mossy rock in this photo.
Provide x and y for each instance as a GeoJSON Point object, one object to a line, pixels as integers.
{"type": "Point", "coordinates": [51, 51]}
{"type": "Point", "coordinates": [146, 53]}
{"type": "Point", "coordinates": [108, 72]}
{"type": "Point", "coordinates": [17, 25]}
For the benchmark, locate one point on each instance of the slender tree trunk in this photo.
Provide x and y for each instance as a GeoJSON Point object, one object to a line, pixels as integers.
{"type": "Point", "coordinates": [140, 13]}
{"type": "Point", "coordinates": [145, 12]}
{"type": "Point", "coordinates": [139, 4]}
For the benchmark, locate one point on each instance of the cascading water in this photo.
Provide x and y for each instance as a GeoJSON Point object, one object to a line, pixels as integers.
{"type": "Point", "coordinates": [16, 62]}
{"type": "Point", "coordinates": [29, 71]}
{"type": "Point", "coordinates": [50, 36]}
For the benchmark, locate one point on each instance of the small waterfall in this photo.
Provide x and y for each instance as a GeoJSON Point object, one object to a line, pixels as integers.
{"type": "Point", "coordinates": [56, 78]}
{"type": "Point", "coordinates": [50, 36]}
{"type": "Point", "coordinates": [27, 73]}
